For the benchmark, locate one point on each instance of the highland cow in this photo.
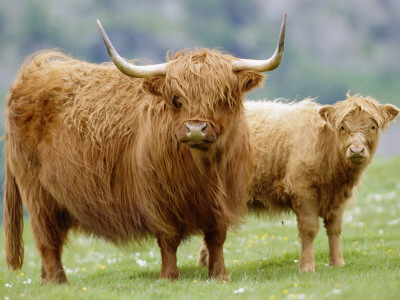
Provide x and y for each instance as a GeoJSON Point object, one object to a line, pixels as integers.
{"type": "Point", "coordinates": [162, 152]}
{"type": "Point", "coordinates": [308, 158]}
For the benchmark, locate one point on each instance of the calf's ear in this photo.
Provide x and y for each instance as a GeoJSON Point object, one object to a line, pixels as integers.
{"type": "Point", "coordinates": [326, 112]}
{"type": "Point", "coordinates": [389, 113]}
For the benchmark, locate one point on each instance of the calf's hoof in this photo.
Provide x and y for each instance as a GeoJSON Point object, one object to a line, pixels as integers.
{"type": "Point", "coordinates": [337, 263]}
{"type": "Point", "coordinates": [306, 268]}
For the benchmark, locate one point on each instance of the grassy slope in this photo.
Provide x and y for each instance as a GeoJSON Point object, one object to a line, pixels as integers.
{"type": "Point", "coordinates": [261, 259]}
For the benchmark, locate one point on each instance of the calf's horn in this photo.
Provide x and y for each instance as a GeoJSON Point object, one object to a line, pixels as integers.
{"type": "Point", "coordinates": [128, 68]}
{"type": "Point", "coordinates": [264, 65]}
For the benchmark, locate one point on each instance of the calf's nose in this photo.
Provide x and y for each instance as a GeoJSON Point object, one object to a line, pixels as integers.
{"type": "Point", "coordinates": [357, 150]}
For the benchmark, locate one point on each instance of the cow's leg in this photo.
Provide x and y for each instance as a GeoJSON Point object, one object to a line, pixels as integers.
{"type": "Point", "coordinates": [50, 238]}
{"type": "Point", "coordinates": [52, 269]}
{"type": "Point", "coordinates": [202, 259]}
{"type": "Point", "coordinates": [333, 227]}
{"type": "Point", "coordinates": [50, 225]}
{"type": "Point", "coordinates": [168, 246]}
{"type": "Point", "coordinates": [216, 265]}
{"type": "Point", "coordinates": [308, 226]}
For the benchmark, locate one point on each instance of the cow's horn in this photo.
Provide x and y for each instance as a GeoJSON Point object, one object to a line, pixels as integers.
{"type": "Point", "coordinates": [264, 65]}
{"type": "Point", "coordinates": [128, 68]}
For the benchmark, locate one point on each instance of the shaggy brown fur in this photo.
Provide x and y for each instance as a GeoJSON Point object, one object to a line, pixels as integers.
{"type": "Point", "coordinates": [308, 158]}
{"type": "Point", "coordinates": [90, 149]}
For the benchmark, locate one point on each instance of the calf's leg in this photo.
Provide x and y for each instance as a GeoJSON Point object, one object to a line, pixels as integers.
{"type": "Point", "coordinates": [333, 227]}
{"type": "Point", "coordinates": [308, 226]}
{"type": "Point", "coordinates": [202, 259]}
{"type": "Point", "coordinates": [214, 240]}
{"type": "Point", "coordinates": [168, 246]}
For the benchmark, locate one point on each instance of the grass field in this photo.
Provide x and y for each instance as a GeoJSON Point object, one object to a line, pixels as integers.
{"type": "Point", "coordinates": [261, 258]}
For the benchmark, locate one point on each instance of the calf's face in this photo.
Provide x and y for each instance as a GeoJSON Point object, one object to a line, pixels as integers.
{"type": "Point", "coordinates": [358, 136]}
{"type": "Point", "coordinates": [357, 123]}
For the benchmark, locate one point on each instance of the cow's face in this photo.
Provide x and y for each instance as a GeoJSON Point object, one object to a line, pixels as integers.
{"type": "Point", "coordinates": [356, 123]}
{"type": "Point", "coordinates": [204, 89]}
{"type": "Point", "coordinates": [204, 96]}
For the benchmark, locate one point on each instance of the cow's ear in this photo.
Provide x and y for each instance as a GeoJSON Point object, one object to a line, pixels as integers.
{"type": "Point", "coordinates": [154, 85]}
{"type": "Point", "coordinates": [326, 112]}
{"type": "Point", "coordinates": [389, 113]}
{"type": "Point", "coordinates": [250, 80]}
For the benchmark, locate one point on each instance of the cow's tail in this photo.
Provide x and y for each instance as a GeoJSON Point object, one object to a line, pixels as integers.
{"type": "Point", "coordinates": [13, 222]}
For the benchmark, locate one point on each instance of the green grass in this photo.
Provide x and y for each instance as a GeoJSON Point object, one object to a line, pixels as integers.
{"type": "Point", "coordinates": [261, 259]}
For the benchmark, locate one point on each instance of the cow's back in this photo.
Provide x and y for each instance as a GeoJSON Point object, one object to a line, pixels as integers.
{"type": "Point", "coordinates": [53, 90]}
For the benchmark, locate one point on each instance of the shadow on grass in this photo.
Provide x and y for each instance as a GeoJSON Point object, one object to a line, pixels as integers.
{"type": "Point", "coordinates": [147, 274]}
{"type": "Point", "coordinates": [272, 269]}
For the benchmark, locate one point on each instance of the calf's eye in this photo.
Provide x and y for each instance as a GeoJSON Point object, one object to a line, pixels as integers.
{"type": "Point", "coordinates": [373, 127]}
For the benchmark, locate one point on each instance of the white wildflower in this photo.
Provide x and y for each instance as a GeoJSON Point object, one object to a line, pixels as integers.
{"type": "Point", "coordinates": [336, 291]}
{"type": "Point", "coordinates": [111, 260]}
{"type": "Point", "coordinates": [393, 222]}
{"type": "Point", "coordinates": [238, 291]}
{"type": "Point", "coordinates": [31, 263]}
{"type": "Point", "coordinates": [141, 263]}
{"type": "Point", "coordinates": [348, 219]}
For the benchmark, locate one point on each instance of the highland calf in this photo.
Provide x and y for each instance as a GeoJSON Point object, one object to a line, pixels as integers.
{"type": "Point", "coordinates": [308, 158]}
{"type": "Point", "coordinates": [162, 152]}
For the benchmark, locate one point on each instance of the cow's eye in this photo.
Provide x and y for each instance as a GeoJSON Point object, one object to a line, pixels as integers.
{"type": "Point", "coordinates": [176, 103]}
{"type": "Point", "coordinates": [373, 127]}
{"type": "Point", "coordinates": [342, 129]}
